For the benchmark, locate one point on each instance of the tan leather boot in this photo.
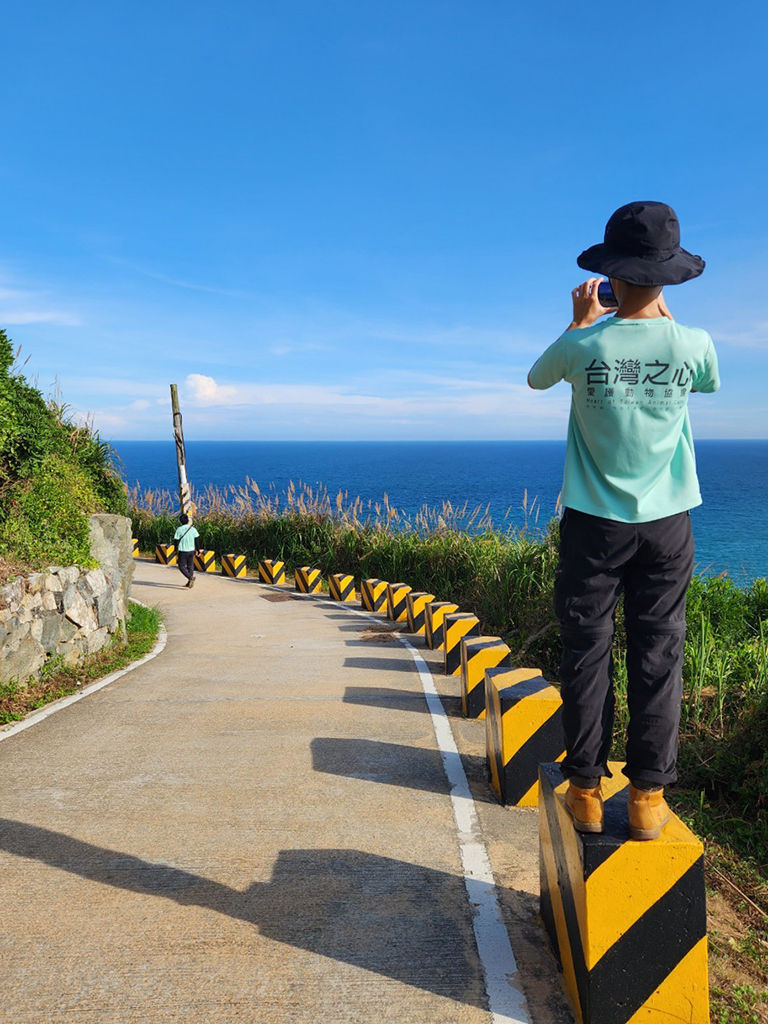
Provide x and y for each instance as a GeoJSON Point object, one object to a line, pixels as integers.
{"type": "Point", "coordinates": [648, 813]}
{"type": "Point", "coordinates": [585, 807]}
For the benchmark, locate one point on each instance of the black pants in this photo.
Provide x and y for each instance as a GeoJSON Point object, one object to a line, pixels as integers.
{"type": "Point", "coordinates": [187, 564]}
{"type": "Point", "coordinates": [651, 564]}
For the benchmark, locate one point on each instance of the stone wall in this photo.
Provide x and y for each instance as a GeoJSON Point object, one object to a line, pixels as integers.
{"type": "Point", "coordinates": [67, 611]}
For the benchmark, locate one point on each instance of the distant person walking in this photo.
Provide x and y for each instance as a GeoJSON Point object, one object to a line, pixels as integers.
{"type": "Point", "coordinates": [630, 479]}
{"type": "Point", "coordinates": [186, 545]}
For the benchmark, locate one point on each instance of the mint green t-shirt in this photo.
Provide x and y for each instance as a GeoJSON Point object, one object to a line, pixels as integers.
{"type": "Point", "coordinates": [186, 536]}
{"type": "Point", "coordinates": [630, 451]}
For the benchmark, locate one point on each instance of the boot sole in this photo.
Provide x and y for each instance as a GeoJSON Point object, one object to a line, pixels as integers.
{"type": "Point", "coordinates": [584, 826]}
{"type": "Point", "coordinates": [643, 834]}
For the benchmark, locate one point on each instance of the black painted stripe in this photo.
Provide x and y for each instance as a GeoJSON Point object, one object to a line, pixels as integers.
{"type": "Point", "coordinates": [522, 769]}
{"type": "Point", "coordinates": [628, 974]}
{"type": "Point", "coordinates": [493, 737]}
{"type": "Point", "coordinates": [366, 594]}
{"type": "Point", "coordinates": [475, 700]}
{"type": "Point", "coordinates": [598, 848]}
{"type": "Point", "coordinates": [525, 688]}
{"type": "Point", "coordinates": [566, 895]}
{"type": "Point", "coordinates": [475, 646]}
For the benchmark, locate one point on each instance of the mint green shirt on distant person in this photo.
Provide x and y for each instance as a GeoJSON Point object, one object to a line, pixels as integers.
{"type": "Point", "coordinates": [630, 451]}
{"type": "Point", "coordinates": [185, 537]}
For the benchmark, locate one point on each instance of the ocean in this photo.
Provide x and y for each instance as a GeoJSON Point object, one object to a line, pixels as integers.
{"type": "Point", "coordinates": [730, 528]}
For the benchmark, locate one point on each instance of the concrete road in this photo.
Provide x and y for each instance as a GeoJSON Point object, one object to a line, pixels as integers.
{"type": "Point", "coordinates": [255, 826]}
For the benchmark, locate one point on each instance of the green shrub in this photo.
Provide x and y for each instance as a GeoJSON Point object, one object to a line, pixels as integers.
{"type": "Point", "coordinates": [53, 473]}
{"type": "Point", "coordinates": [45, 518]}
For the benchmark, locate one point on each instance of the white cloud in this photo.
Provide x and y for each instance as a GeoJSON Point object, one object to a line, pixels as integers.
{"type": "Point", "coordinates": [28, 307]}
{"type": "Point", "coordinates": [752, 336]}
{"type": "Point", "coordinates": [205, 391]}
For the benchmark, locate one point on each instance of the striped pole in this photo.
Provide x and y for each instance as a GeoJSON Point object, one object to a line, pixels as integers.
{"type": "Point", "coordinates": [185, 498]}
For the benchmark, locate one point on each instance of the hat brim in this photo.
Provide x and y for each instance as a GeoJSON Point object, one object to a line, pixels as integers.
{"type": "Point", "coordinates": [680, 266]}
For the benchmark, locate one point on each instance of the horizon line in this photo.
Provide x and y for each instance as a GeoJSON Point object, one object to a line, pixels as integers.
{"type": "Point", "coordinates": [377, 440]}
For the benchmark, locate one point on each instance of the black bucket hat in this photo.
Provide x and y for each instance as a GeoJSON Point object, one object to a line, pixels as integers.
{"type": "Point", "coordinates": [642, 246]}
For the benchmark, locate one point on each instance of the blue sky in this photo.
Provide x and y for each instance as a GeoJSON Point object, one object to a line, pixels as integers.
{"type": "Point", "coordinates": [356, 220]}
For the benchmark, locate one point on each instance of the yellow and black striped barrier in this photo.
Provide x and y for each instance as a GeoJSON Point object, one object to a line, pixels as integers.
{"type": "Point", "coordinates": [523, 728]}
{"type": "Point", "coordinates": [308, 580]}
{"type": "Point", "coordinates": [397, 610]}
{"type": "Point", "coordinates": [165, 554]}
{"type": "Point", "coordinates": [479, 653]}
{"type": "Point", "coordinates": [434, 626]}
{"type": "Point", "coordinates": [373, 595]}
{"type": "Point", "coordinates": [626, 919]}
{"type": "Point", "coordinates": [341, 587]}
{"type": "Point", "coordinates": [135, 546]}
{"type": "Point", "coordinates": [272, 571]}
{"type": "Point", "coordinates": [415, 605]}
{"type": "Point", "coordinates": [233, 565]}
{"type": "Point", "coordinates": [205, 561]}
{"type": "Point", "coordinates": [457, 625]}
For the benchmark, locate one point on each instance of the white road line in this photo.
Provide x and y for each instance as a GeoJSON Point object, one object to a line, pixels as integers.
{"type": "Point", "coordinates": [50, 709]}
{"type": "Point", "coordinates": [502, 983]}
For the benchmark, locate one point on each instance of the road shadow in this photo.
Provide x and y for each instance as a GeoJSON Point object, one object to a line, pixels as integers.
{"type": "Point", "coordinates": [381, 664]}
{"type": "Point", "coordinates": [393, 764]}
{"type": "Point", "coordinates": [372, 626]}
{"type": "Point", "coordinates": [385, 697]}
{"type": "Point", "coordinates": [400, 920]}
{"type": "Point", "coordinates": [162, 586]}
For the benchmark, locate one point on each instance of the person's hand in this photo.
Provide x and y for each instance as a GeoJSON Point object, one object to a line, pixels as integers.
{"type": "Point", "coordinates": [586, 304]}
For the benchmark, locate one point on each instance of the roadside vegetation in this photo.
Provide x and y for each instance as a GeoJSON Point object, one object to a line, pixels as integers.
{"type": "Point", "coordinates": [53, 473]}
{"type": "Point", "coordinates": [506, 576]}
{"type": "Point", "coordinates": [58, 680]}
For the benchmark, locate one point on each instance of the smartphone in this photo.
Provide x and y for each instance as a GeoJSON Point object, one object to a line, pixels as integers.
{"type": "Point", "coordinates": [605, 294]}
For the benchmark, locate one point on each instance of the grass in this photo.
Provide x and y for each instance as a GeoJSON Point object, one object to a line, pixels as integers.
{"type": "Point", "coordinates": [59, 680]}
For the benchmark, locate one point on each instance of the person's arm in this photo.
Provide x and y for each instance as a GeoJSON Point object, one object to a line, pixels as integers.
{"type": "Point", "coordinates": [708, 380]}
{"type": "Point", "coordinates": [587, 309]}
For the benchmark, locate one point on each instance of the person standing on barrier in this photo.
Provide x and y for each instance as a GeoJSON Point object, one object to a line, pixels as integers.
{"type": "Point", "coordinates": [186, 545]}
{"type": "Point", "coordinates": [629, 483]}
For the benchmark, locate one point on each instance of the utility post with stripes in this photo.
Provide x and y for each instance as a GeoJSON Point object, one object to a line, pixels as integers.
{"type": "Point", "coordinates": [185, 497]}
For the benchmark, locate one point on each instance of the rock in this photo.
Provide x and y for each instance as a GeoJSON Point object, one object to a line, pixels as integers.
{"type": "Point", "coordinates": [67, 630]}
{"type": "Point", "coordinates": [50, 632]}
{"type": "Point", "coordinates": [97, 640]}
{"type": "Point", "coordinates": [49, 603]}
{"type": "Point", "coordinates": [77, 610]}
{"type": "Point", "coordinates": [105, 609]}
{"type": "Point", "coordinates": [36, 582]}
{"type": "Point", "coordinates": [12, 594]}
{"type": "Point", "coordinates": [68, 576]}
{"type": "Point", "coordinates": [69, 653]}
{"type": "Point", "coordinates": [24, 661]}
{"type": "Point", "coordinates": [94, 582]}
{"type": "Point", "coordinates": [52, 583]}
{"type": "Point", "coordinates": [33, 602]}
{"type": "Point", "coordinates": [112, 548]}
